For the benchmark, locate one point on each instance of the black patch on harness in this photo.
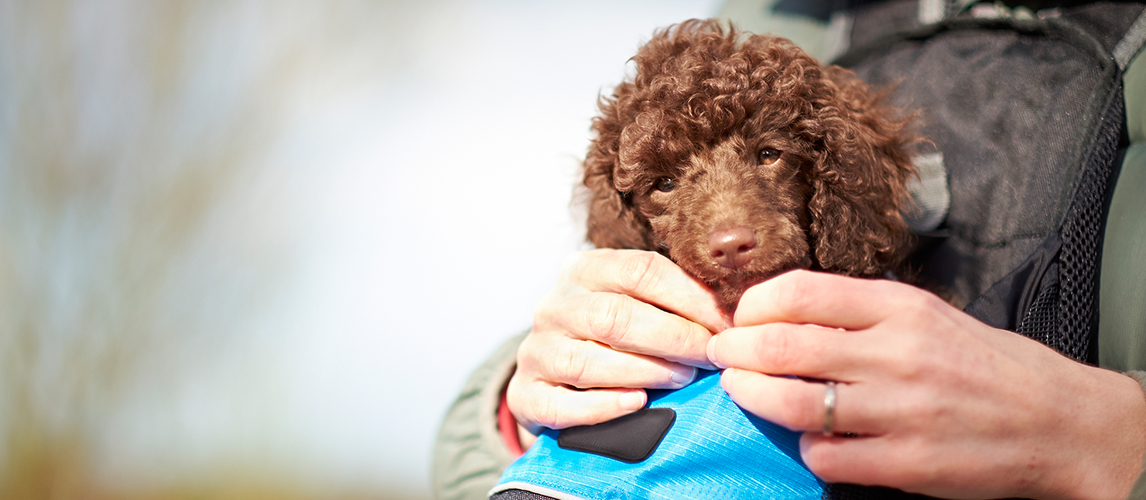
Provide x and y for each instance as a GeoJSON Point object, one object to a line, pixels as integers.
{"type": "Point", "coordinates": [631, 438]}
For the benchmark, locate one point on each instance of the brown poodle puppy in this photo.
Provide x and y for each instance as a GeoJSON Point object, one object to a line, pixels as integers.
{"type": "Point", "coordinates": [742, 157]}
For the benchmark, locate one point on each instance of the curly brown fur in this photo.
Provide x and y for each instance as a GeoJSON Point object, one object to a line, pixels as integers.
{"type": "Point", "coordinates": [740, 157]}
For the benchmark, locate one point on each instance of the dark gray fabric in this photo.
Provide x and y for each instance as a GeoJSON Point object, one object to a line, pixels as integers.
{"type": "Point", "coordinates": [518, 495]}
{"type": "Point", "coordinates": [1027, 116]}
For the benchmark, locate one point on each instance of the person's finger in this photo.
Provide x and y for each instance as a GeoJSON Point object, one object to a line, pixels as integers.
{"type": "Point", "coordinates": [586, 364]}
{"type": "Point", "coordinates": [648, 277]}
{"type": "Point", "coordinates": [893, 461]}
{"type": "Point", "coordinates": [627, 324]}
{"type": "Point", "coordinates": [828, 300]}
{"type": "Point", "coordinates": [799, 405]}
{"type": "Point", "coordinates": [861, 460]}
{"type": "Point", "coordinates": [537, 404]}
{"type": "Point", "coordinates": [802, 350]}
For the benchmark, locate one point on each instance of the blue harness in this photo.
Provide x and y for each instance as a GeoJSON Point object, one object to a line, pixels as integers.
{"type": "Point", "coordinates": [711, 449]}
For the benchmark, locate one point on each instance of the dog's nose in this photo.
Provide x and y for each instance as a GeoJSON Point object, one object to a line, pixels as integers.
{"type": "Point", "coordinates": [732, 248]}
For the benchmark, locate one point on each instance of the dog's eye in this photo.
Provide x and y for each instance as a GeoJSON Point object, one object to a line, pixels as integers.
{"type": "Point", "coordinates": [665, 185]}
{"type": "Point", "coordinates": [769, 156]}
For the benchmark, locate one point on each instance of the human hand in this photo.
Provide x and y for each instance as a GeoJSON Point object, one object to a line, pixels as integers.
{"type": "Point", "coordinates": [940, 403]}
{"type": "Point", "coordinates": [617, 322]}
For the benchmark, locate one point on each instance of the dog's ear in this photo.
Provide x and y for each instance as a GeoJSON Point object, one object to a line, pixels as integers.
{"type": "Point", "coordinates": [859, 179]}
{"type": "Point", "coordinates": [613, 222]}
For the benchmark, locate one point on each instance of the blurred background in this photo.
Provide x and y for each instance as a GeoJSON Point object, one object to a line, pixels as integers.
{"type": "Point", "coordinates": [252, 249]}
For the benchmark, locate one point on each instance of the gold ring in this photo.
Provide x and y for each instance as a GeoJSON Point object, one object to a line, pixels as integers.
{"type": "Point", "coordinates": [829, 408]}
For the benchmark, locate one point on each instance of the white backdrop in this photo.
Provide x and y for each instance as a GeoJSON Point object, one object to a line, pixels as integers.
{"type": "Point", "coordinates": [427, 208]}
{"type": "Point", "coordinates": [448, 218]}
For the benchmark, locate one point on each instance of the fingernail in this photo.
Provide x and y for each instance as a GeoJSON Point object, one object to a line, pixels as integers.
{"type": "Point", "coordinates": [632, 401]}
{"type": "Point", "coordinates": [727, 375]}
{"type": "Point", "coordinates": [684, 375]}
{"type": "Point", "coordinates": [712, 353]}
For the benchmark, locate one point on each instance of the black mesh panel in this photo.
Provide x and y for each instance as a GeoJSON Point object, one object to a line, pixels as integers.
{"type": "Point", "coordinates": [1082, 241]}
{"type": "Point", "coordinates": [1042, 320]}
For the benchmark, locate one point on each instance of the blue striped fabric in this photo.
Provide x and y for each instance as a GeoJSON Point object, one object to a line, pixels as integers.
{"type": "Point", "coordinates": [713, 450]}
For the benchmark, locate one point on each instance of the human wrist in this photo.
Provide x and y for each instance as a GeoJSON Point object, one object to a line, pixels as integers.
{"type": "Point", "coordinates": [1109, 445]}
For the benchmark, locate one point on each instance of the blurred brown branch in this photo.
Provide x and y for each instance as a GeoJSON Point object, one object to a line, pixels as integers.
{"type": "Point", "coordinates": [130, 135]}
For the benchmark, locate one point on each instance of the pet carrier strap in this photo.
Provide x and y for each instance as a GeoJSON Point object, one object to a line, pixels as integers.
{"type": "Point", "coordinates": [1131, 43]}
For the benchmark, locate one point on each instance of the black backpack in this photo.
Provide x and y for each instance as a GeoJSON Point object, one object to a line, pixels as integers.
{"type": "Point", "coordinates": [1027, 113]}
